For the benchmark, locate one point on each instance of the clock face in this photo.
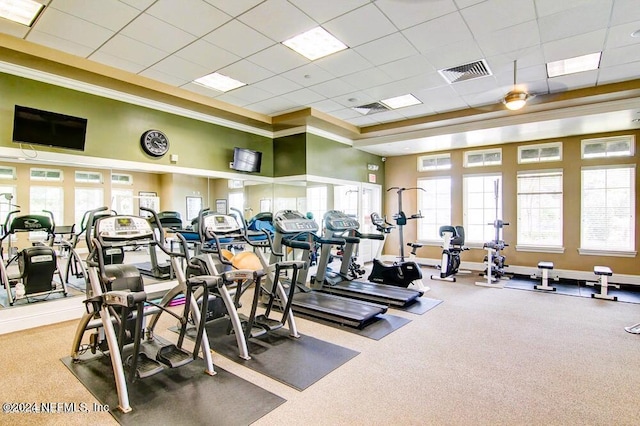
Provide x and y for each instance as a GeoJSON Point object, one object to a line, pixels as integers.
{"type": "Point", "coordinates": [154, 143]}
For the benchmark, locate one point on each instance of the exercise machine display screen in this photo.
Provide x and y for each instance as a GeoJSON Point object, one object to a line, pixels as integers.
{"type": "Point", "coordinates": [338, 221]}
{"type": "Point", "coordinates": [289, 221]}
{"type": "Point", "coordinates": [219, 224]}
{"type": "Point", "coordinates": [123, 228]}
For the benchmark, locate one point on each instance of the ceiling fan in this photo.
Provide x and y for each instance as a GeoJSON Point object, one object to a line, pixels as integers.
{"type": "Point", "coordinates": [516, 99]}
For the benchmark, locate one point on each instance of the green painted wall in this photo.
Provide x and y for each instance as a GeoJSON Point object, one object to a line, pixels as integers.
{"type": "Point", "coordinates": [290, 153]}
{"type": "Point", "coordinates": [114, 128]}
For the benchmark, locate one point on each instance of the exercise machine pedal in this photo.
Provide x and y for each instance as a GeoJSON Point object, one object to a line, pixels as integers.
{"type": "Point", "coordinates": [267, 323]}
{"type": "Point", "coordinates": [173, 356]}
{"type": "Point", "coordinates": [145, 366]}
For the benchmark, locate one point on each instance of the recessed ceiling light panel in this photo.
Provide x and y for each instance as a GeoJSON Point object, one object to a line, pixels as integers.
{"type": "Point", "coordinates": [315, 43]}
{"type": "Point", "coordinates": [401, 101]}
{"type": "Point", "coordinates": [219, 82]}
{"type": "Point", "coordinates": [23, 12]}
{"type": "Point", "coordinates": [573, 65]}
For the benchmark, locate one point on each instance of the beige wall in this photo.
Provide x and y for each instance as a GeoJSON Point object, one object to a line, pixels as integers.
{"type": "Point", "coordinates": [402, 171]}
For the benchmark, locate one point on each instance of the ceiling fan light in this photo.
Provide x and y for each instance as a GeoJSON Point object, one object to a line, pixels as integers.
{"type": "Point", "coordinates": [515, 100]}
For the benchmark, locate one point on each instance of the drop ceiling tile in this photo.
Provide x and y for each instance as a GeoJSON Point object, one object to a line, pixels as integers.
{"type": "Point", "coordinates": [594, 15]}
{"type": "Point", "coordinates": [238, 38]}
{"type": "Point", "coordinates": [620, 35]}
{"type": "Point", "coordinates": [278, 20]}
{"type": "Point", "coordinates": [343, 63]}
{"type": "Point", "coordinates": [360, 26]}
{"type": "Point", "coordinates": [628, 71]}
{"type": "Point", "coordinates": [251, 94]}
{"type": "Point", "coordinates": [308, 75]}
{"type": "Point", "coordinates": [416, 111]}
{"type": "Point", "coordinates": [13, 28]}
{"type": "Point", "coordinates": [59, 44]}
{"type": "Point", "coordinates": [274, 106]}
{"type": "Point", "coordinates": [246, 72]}
{"type": "Point", "coordinates": [573, 81]}
{"type": "Point", "coordinates": [407, 85]}
{"type": "Point", "coordinates": [354, 99]}
{"type": "Point", "coordinates": [277, 85]}
{"type": "Point", "coordinates": [230, 99]}
{"type": "Point", "coordinates": [364, 120]}
{"type": "Point", "coordinates": [111, 14]}
{"type": "Point", "coordinates": [198, 18]}
{"type": "Point", "coordinates": [494, 15]}
{"type": "Point", "coordinates": [620, 56]}
{"type": "Point", "coordinates": [451, 28]}
{"type": "Point", "coordinates": [332, 88]}
{"type": "Point", "coordinates": [131, 50]}
{"type": "Point", "coordinates": [235, 7]}
{"type": "Point", "coordinates": [510, 39]}
{"type": "Point", "coordinates": [477, 85]}
{"type": "Point", "coordinates": [387, 116]}
{"type": "Point", "coordinates": [117, 62]}
{"type": "Point", "coordinates": [183, 69]}
{"type": "Point", "coordinates": [551, 7]}
{"type": "Point", "coordinates": [154, 32]}
{"type": "Point", "coordinates": [205, 91]}
{"type": "Point", "coordinates": [407, 14]}
{"type": "Point", "coordinates": [368, 78]}
{"type": "Point", "coordinates": [407, 67]}
{"type": "Point", "coordinates": [625, 11]}
{"type": "Point", "coordinates": [574, 46]}
{"type": "Point", "coordinates": [326, 106]}
{"type": "Point", "coordinates": [441, 99]}
{"type": "Point", "coordinates": [207, 55]}
{"type": "Point", "coordinates": [158, 75]}
{"type": "Point", "coordinates": [67, 27]}
{"type": "Point", "coordinates": [386, 49]}
{"type": "Point", "coordinates": [466, 3]}
{"type": "Point", "coordinates": [324, 11]}
{"type": "Point", "coordinates": [346, 113]}
{"type": "Point", "coordinates": [278, 59]}
{"type": "Point", "coordinates": [139, 4]}
{"type": "Point", "coordinates": [455, 54]}
{"type": "Point", "coordinates": [304, 96]}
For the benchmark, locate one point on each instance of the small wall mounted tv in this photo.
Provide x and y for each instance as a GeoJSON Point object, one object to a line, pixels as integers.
{"type": "Point", "coordinates": [246, 160]}
{"type": "Point", "coordinates": [38, 127]}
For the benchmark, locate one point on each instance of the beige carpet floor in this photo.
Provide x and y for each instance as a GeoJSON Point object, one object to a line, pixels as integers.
{"type": "Point", "coordinates": [483, 357]}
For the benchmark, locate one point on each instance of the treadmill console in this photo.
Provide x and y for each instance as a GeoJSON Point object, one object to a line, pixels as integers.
{"type": "Point", "coordinates": [123, 228]}
{"type": "Point", "coordinates": [338, 221]}
{"type": "Point", "coordinates": [219, 224]}
{"type": "Point", "coordinates": [290, 221]}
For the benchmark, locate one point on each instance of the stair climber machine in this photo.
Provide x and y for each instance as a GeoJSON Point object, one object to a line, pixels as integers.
{"type": "Point", "coordinates": [495, 260]}
{"type": "Point", "coordinates": [292, 227]}
{"type": "Point", "coordinates": [220, 230]}
{"type": "Point", "coordinates": [37, 265]}
{"type": "Point", "coordinates": [453, 245]}
{"type": "Point", "coordinates": [338, 225]}
{"type": "Point", "coordinates": [117, 308]}
{"type": "Point", "coordinates": [401, 273]}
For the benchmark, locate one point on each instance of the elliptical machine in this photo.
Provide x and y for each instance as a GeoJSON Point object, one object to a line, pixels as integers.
{"type": "Point", "coordinates": [452, 246]}
{"type": "Point", "coordinates": [402, 273]}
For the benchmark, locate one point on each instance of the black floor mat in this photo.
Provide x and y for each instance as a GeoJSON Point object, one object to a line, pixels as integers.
{"type": "Point", "coordinates": [296, 362]}
{"type": "Point", "coordinates": [421, 305]}
{"type": "Point", "coordinates": [381, 326]}
{"type": "Point", "coordinates": [574, 288]}
{"type": "Point", "coordinates": [184, 395]}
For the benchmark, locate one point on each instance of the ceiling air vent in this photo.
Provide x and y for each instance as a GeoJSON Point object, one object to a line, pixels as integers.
{"type": "Point", "coordinates": [466, 72]}
{"type": "Point", "coordinates": [371, 108]}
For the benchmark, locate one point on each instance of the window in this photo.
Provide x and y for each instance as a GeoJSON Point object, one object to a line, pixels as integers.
{"type": "Point", "coordinates": [236, 200]}
{"type": "Point", "coordinates": [434, 162]}
{"type": "Point", "coordinates": [540, 208]}
{"type": "Point", "coordinates": [122, 201]}
{"type": "Point", "coordinates": [48, 175]}
{"type": "Point", "coordinates": [480, 206]}
{"type": "Point", "coordinates": [7, 172]}
{"type": "Point", "coordinates": [88, 177]}
{"type": "Point", "coordinates": [617, 146]}
{"type": "Point", "coordinates": [46, 198]}
{"type": "Point", "coordinates": [7, 201]}
{"type": "Point", "coordinates": [121, 179]}
{"type": "Point", "coordinates": [486, 157]}
{"type": "Point", "coordinates": [540, 153]}
{"type": "Point", "coordinates": [317, 202]}
{"type": "Point", "coordinates": [608, 209]}
{"type": "Point", "coordinates": [345, 199]}
{"type": "Point", "coordinates": [87, 199]}
{"type": "Point", "coordinates": [435, 205]}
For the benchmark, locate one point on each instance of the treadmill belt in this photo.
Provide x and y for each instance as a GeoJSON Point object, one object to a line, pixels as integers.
{"type": "Point", "coordinates": [381, 325]}
{"type": "Point", "coordinates": [178, 395]}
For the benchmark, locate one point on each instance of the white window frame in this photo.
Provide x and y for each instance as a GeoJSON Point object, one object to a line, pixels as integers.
{"type": "Point", "coordinates": [539, 148]}
{"type": "Point", "coordinates": [488, 208]}
{"type": "Point", "coordinates": [79, 179]}
{"type": "Point", "coordinates": [317, 199]}
{"type": "Point", "coordinates": [434, 207]}
{"type": "Point", "coordinates": [629, 251]}
{"type": "Point", "coordinates": [484, 153]}
{"type": "Point", "coordinates": [609, 141]}
{"type": "Point", "coordinates": [128, 181]}
{"type": "Point", "coordinates": [542, 224]}
{"type": "Point", "coordinates": [55, 206]}
{"type": "Point", "coordinates": [441, 162]}
{"type": "Point", "coordinates": [49, 175]}
{"type": "Point", "coordinates": [82, 208]}
{"type": "Point", "coordinates": [10, 175]}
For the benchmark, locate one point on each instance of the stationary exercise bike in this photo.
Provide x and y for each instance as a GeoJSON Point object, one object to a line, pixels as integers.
{"type": "Point", "coordinates": [452, 246]}
{"type": "Point", "coordinates": [402, 273]}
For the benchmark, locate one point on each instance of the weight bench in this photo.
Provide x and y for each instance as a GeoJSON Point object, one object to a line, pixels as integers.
{"type": "Point", "coordinates": [545, 267]}
{"type": "Point", "coordinates": [603, 273]}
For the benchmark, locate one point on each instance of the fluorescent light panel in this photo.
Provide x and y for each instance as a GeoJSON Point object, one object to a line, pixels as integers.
{"type": "Point", "coordinates": [573, 65]}
{"type": "Point", "coordinates": [401, 101]}
{"type": "Point", "coordinates": [315, 43]}
{"type": "Point", "coordinates": [21, 11]}
{"type": "Point", "coordinates": [219, 82]}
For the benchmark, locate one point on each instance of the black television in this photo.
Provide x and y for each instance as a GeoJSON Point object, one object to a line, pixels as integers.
{"type": "Point", "coordinates": [34, 126]}
{"type": "Point", "coordinates": [246, 160]}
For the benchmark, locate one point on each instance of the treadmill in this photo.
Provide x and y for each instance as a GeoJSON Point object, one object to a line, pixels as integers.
{"type": "Point", "coordinates": [293, 225]}
{"type": "Point", "coordinates": [339, 225]}
{"type": "Point", "coordinates": [153, 268]}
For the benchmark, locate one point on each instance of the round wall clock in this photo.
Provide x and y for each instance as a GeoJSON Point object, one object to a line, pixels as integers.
{"type": "Point", "coordinates": [155, 143]}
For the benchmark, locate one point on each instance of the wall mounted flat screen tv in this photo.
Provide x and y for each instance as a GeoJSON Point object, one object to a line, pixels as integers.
{"type": "Point", "coordinates": [34, 126]}
{"type": "Point", "coordinates": [246, 160]}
